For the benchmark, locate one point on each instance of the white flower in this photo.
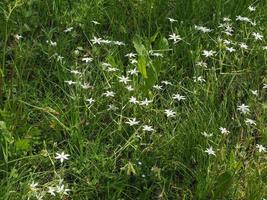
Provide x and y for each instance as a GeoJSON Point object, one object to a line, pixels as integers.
{"type": "Point", "coordinates": [264, 48]}
{"type": "Point", "coordinates": [112, 69]}
{"type": "Point", "coordinates": [133, 100]}
{"type": "Point", "coordinates": [18, 37]}
{"type": "Point", "coordinates": [205, 134]}
{"type": "Point", "coordinates": [264, 86]}
{"type": "Point", "coordinates": [96, 40]}
{"type": "Point", "coordinates": [199, 79]}
{"type": "Point", "coordinates": [257, 36]}
{"type": "Point", "coordinates": [243, 109]}
{"type": "Point", "coordinates": [203, 29]}
{"type": "Point", "coordinates": [95, 22]}
{"type": "Point", "coordinates": [250, 121]}
{"type": "Point", "coordinates": [148, 128]}
{"type": "Point", "coordinates": [133, 61]}
{"type": "Point", "coordinates": [119, 43]}
{"type": "Point", "coordinates": [86, 86]}
{"type": "Point", "coordinates": [255, 92]}
{"type": "Point", "coordinates": [51, 191]}
{"type": "Point", "coordinates": [90, 100]}
{"type": "Point", "coordinates": [87, 59]}
{"type": "Point", "coordinates": [130, 88]}
{"type": "Point", "coordinates": [109, 94]}
{"type": "Point", "coordinates": [62, 190]}
{"type": "Point", "coordinates": [207, 53]}
{"type": "Point", "coordinates": [62, 156]}
{"type": "Point", "coordinates": [145, 102]}
{"type": "Point", "coordinates": [157, 87]}
{"type": "Point", "coordinates": [243, 46]}
{"type": "Point", "coordinates": [230, 49]}
{"type": "Point", "coordinates": [70, 82]}
{"type": "Point", "coordinates": [252, 8]}
{"type": "Point", "coordinates": [224, 131]}
{"type": "Point", "coordinates": [132, 122]}
{"type": "Point", "coordinates": [75, 72]}
{"type": "Point", "coordinates": [68, 30]}
{"type": "Point", "coordinates": [53, 44]}
{"type": "Point", "coordinates": [175, 38]}
{"type": "Point", "coordinates": [178, 97]}
{"type": "Point", "coordinates": [131, 55]}
{"type": "Point", "coordinates": [261, 148]}
{"type": "Point", "coordinates": [172, 20]}
{"type": "Point", "coordinates": [169, 113]}
{"type": "Point", "coordinates": [33, 186]}
{"type": "Point", "coordinates": [202, 64]}
{"type": "Point", "coordinates": [226, 19]}
{"type": "Point", "coordinates": [124, 79]}
{"type": "Point", "coordinates": [166, 82]}
{"type": "Point", "coordinates": [112, 107]}
{"type": "Point", "coordinates": [210, 151]}
{"type": "Point", "coordinates": [133, 71]}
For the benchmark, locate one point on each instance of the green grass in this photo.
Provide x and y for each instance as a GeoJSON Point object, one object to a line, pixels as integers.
{"type": "Point", "coordinates": [42, 115]}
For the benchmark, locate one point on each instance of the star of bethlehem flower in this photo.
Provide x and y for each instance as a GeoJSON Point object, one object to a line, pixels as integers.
{"type": "Point", "coordinates": [51, 191]}
{"type": "Point", "coordinates": [230, 49]}
{"type": "Point", "coordinates": [208, 53]}
{"type": "Point", "coordinates": [62, 156]}
{"type": "Point", "coordinates": [244, 109]}
{"type": "Point", "coordinates": [205, 134]}
{"type": "Point", "coordinates": [86, 86]}
{"type": "Point", "coordinates": [87, 59]}
{"type": "Point", "coordinates": [148, 128]}
{"type": "Point", "coordinates": [157, 87]}
{"type": "Point", "coordinates": [166, 82]}
{"type": "Point", "coordinates": [145, 102]}
{"type": "Point", "coordinates": [112, 107]}
{"type": "Point", "coordinates": [33, 186]}
{"type": "Point", "coordinates": [243, 46]}
{"type": "Point", "coordinates": [250, 121]}
{"type": "Point", "coordinates": [203, 29]}
{"type": "Point", "coordinates": [131, 55]}
{"type": "Point", "coordinates": [96, 40]}
{"type": "Point", "coordinates": [260, 148]}
{"type": "Point", "coordinates": [224, 131]}
{"type": "Point", "coordinates": [90, 100]}
{"type": "Point", "coordinates": [18, 37]}
{"type": "Point", "coordinates": [62, 190]}
{"type": "Point", "coordinates": [210, 151]}
{"type": "Point", "coordinates": [178, 97]}
{"type": "Point", "coordinates": [132, 122]}
{"type": "Point", "coordinates": [68, 30]}
{"type": "Point", "coordinates": [124, 79]}
{"type": "Point", "coordinates": [133, 100]}
{"type": "Point", "coordinates": [202, 64]}
{"type": "Point", "coordinates": [70, 82]}
{"type": "Point", "coordinates": [95, 22]}
{"type": "Point", "coordinates": [112, 69]}
{"type": "Point", "coordinates": [252, 8]}
{"type": "Point", "coordinates": [109, 94]}
{"type": "Point", "coordinates": [133, 61]}
{"type": "Point", "coordinates": [199, 79]}
{"type": "Point", "coordinates": [255, 92]}
{"type": "Point", "coordinates": [176, 38]}
{"type": "Point", "coordinates": [129, 88]}
{"type": "Point", "coordinates": [172, 20]}
{"type": "Point", "coordinates": [264, 86]}
{"type": "Point", "coordinates": [169, 113]}
{"type": "Point", "coordinates": [133, 71]}
{"type": "Point", "coordinates": [257, 36]}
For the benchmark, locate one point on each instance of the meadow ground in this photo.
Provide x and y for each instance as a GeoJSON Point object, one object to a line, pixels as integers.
{"type": "Point", "coordinates": [133, 99]}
